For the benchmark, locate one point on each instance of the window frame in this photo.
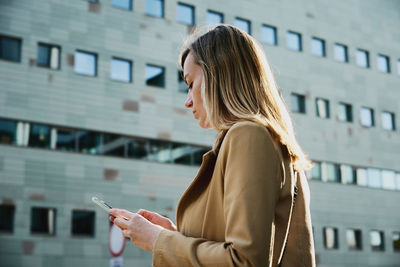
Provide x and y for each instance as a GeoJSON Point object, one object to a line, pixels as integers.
{"type": "Point", "coordinates": [130, 80]}
{"type": "Point", "coordinates": [50, 46]}
{"type": "Point", "coordinates": [299, 39]}
{"type": "Point", "coordinates": [164, 75]}
{"type": "Point", "coordinates": [346, 52]}
{"type": "Point", "coordinates": [247, 21]}
{"type": "Point", "coordinates": [95, 55]}
{"type": "Point", "coordinates": [275, 34]}
{"type": "Point", "coordinates": [19, 44]}
{"type": "Point", "coordinates": [323, 46]}
{"type": "Point", "coordinates": [192, 7]}
{"type": "Point", "coordinates": [152, 14]}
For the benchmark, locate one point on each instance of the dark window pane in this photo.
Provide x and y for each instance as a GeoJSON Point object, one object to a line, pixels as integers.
{"type": "Point", "coordinates": [7, 218]}
{"type": "Point", "coordinates": [89, 142]}
{"type": "Point", "coordinates": [353, 237]}
{"type": "Point", "coordinates": [43, 221]}
{"type": "Point", "coordinates": [83, 223]}
{"type": "Point", "coordinates": [124, 4]}
{"type": "Point", "coordinates": [65, 139]}
{"type": "Point", "coordinates": [396, 241]}
{"type": "Point", "coordinates": [8, 130]}
{"type": "Point", "coordinates": [182, 154]}
{"type": "Point", "coordinates": [333, 172]}
{"type": "Point", "coordinates": [155, 8]}
{"type": "Point", "coordinates": [137, 148]}
{"type": "Point", "coordinates": [159, 151]}
{"type": "Point", "coordinates": [185, 14]}
{"type": "Point", "coordinates": [345, 112]}
{"type": "Point", "coordinates": [298, 103]}
{"type": "Point", "coordinates": [10, 48]}
{"type": "Point", "coordinates": [114, 145]}
{"type": "Point", "coordinates": [39, 136]}
{"type": "Point", "coordinates": [155, 76]}
{"type": "Point", "coordinates": [43, 57]}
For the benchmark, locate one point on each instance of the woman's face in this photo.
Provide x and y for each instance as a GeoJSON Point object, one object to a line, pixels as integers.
{"type": "Point", "coordinates": [193, 76]}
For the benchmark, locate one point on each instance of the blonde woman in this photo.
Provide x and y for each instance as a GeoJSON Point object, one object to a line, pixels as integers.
{"type": "Point", "coordinates": [249, 203]}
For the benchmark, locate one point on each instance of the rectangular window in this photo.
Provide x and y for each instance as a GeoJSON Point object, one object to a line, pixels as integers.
{"type": "Point", "coordinates": [298, 103]}
{"type": "Point", "coordinates": [8, 131]}
{"type": "Point", "coordinates": [348, 174]}
{"type": "Point", "coordinates": [340, 53]}
{"type": "Point", "coordinates": [362, 177]}
{"type": "Point", "coordinates": [65, 139]}
{"type": "Point", "coordinates": [124, 4]}
{"type": "Point", "coordinates": [82, 223]}
{"type": "Point", "coordinates": [114, 145]}
{"type": "Point", "coordinates": [388, 121]}
{"type": "Point", "coordinates": [318, 47]}
{"type": "Point", "coordinates": [269, 35]}
{"type": "Point", "coordinates": [155, 8]}
{"type": "Point", "coordinates": [388, 179]}
{"type": "Point", "coordinates": [214, 18]}
{"type": "Point", "coordinates": [374, 178]}
{"type": "Point", "coordinates": [159, 151]}
{"type": "Point", "coordinates": [331, 238]}
{"type": "Point", "coordinates": [10, 48]}
{"type": "Point", "coordinates": [322, 106]}
{"type": "Point", "coordinates": [367, 117]}
{"type": "Point", "coordinates": [43, 221]}
{"type": "Point", "coordinates": [377, 240]}
{"type": "Point", "coordinates": [155, 75]}
{"type": "Point", "coordinates": [185, 14]}
{"type": "Point", "coordinates": [121, 70]}
{"type": "Point", "coordinates": [293, 41]}
{"type": "Point", "coordinates": [182, 154]}
{"type": "Point", "coordinates": [353, 237]}
{"type": "Point", "coordinates": [243, 24]}
{"type": "Point", "coordinates": [137, 148]}
{"type": "Point", "coordinates": [316, 172]}
{"type": "Point", "coordinates": [333, 172]}
{"type": "Point", "coordinates": [85, 63]}
{"type": "Point", "coordinates": [39, 136]}
{"type": "Point", "coordinates": [7, 218]}
{"type": "Point", "coordinates": [48, 56]}
{"type": "Point", "coordinates": [89, 142]}
{"type": "Point", "coordinates": [383, 63]}
{"type": "Point", "coordinates": [362, 58]}
{"type": "Point", "coordinates": [396, 241]}
{"type": "Point", "coordinates": [182, 87]}
{"type": "Point", "coordinates": [345, 112]}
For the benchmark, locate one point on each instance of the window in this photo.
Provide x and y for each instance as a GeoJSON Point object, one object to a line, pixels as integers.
{"type": "Point", "coordinates": [374, 178]}
{"type": "Point", "coordinates": [268, 35]}
{"type": "Point", "coordinates": [333, 172]}
{"type": "Point", "coordinates": [353, 237]}
{"type": "Point", "coordinates": [124, 4]}
{"type": "Point", "coordinates": [159, 151]}
{"type": "Point", "coordinates": [89, 142]}
{"type": "Point", "coordinates": [322, 106]}
{"type": "Point", "coordinates": [214, 18]}
{"type": "Point", "coordinates": [331, 238]}
{"type": "Point", "coordinates": [298, 103]}
{"type": "Point", "coordinates": [348, 174]}
{"type": "Point", "coordinates": [64, 139]}
{"type": "Point", "coordinates": [383, 63]}
{"type": "Point", "coordinates": [39, 136]}
{"type": "Point", "coordinates": [361, 177]}
{"type": "Point", "coordinates": [182, 87]}
{"type": "Point", "coordinates": [10, 48]}
{"type": "Point", "coordinates": [243, 24]}
{"type": "Point", "coordinates": [8, 132]}
{"type": "Point", "coordinates": [367, 117]}
{"type": "Point", "coordinates": [362, 58]}
{"type": "Point", "coordinates": [376, 240]}
{"type": "Point", "coordinates": [82, 223]}
{"type": "Point", "coordinates": [388, 179]}
{"type": "Point", "coordinates": [318, 47]}
{"type": "Point", "coordinates": [121, 70]}
{"type": "Point", "coordinates": [340, 53]}
{"type": "Point", "coordinates": [388, 121]}
{"type": "Point", "coordinates": [316, 172]}
{"type": "Point", "coordinates": [185, 14]}
{"type": "Point", "coordinates": [43, 221]}
{"type": "Point", "coordinates": [48, 56]}
{"type": "Point", "coordinates": [182, 154]}
{"type": "Point", "coordinates": [396, 241]}
{"type": "Point", "coordinates": [155, 75]}
{"type": "Point", "coordinates": [7, 218]}
{"type": "Point", "coordinates": [85, 63]}
{"type": "Point", "coordinates": [22, 137]}
{"type": "Point", "coordinates": [114, 145]}
{"type": "Point", "coordinates": [155, 8]}
{"type": "Point", "coordinates": [293, 41]}
{"type": "Point", "coordinates": [137, 148]}
{"type": "Point", "coordinates": [345, 112]}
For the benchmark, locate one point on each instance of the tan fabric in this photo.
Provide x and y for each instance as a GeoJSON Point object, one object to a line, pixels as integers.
{"type": "Point", "coordinates": [237, 210]}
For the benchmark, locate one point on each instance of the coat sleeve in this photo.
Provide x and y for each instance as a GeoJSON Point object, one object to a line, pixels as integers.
{"type": "Point", "coordinates": [252, 182]}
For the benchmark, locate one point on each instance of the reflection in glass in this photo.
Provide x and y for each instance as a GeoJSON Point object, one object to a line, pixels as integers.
{"type": "Point", "coordinates": [155, 76]}
{"type": "Point", "coordinates": [121, 70]}
{"type": "Point", "coordinates": [293, 41]}
{"type": "Point", "coordinates": [377, 240]}
{"type": "Point", "coordinates": [374, 178]}
{"type": "Point", "coordinates": [383, 63]}
{"type": "Point", "coordinates": [39, 136]}
{"type": "Point", "coordinates": [353, 237]}
{"type": "Point", "coordinates": [367, 117]}
{"type": "Point", "coordinates": [124, 4]}
{"type": "Point", "coordinates": [182, 153]}
{"type": "Point", "coordinates": [65, 139]}
{"type": "Point", "coordinates": [185, 14]}
{"type": "Point", "coordinates": [243, 24]}
{"type": "Point", "coordinates": [214, 18]}
{"type": "Point", "coordinates": [298, 103]}
{"type": "Point", "coordinates": [318, 47]}
{"type": "Point", "coordinates": [137, 148]}
{"type": "Point", "coordinates": [396, 241]}
{"type": "Point", "coordinates": [159, 151]}
{"type": "Point", "coordinates": [345, 112]}
{"type": "Point", "coordinates": [331, 238]}
{"type": "Point", "coordinates": [268, 35]}
{"type": "Point", "coordinates": [48, 56]}
{"type": "Point", "coordinates": [155, 8]}
{"type": "Point", "coordinates": [322, 106]}
{"type": "Point", "coordinates": [362, 58]}
{"type": "Point", "coordinates": [388, 121]}
{"type": "Point", "coordinates": [348, 174]}
{"type": "Point", "coordinates": [340, 53]}
{"type": "Point", "coordinates": [114, 145]}
{"type": "Point", "coordinates": [8, 131]}
{"type": "Point", "coordinates": [85, 63]}
{"type": "Point", "coordinates": [43, 221]}
{"type": "Point", "coordinates": [388, 179]}
{"type": "Point", "coordinates": [10, 48]}
{"type": "Point", "coordinates": [333, 172]}
{"type": "Point", "coordinates": [82, 223]}
{"type": "Point", "coordinates": [89, 142]}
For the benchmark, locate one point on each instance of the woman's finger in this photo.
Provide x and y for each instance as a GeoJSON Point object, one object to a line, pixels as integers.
{"type": "Point", "coordinates": [126, 233]}
{"type": "Point", "coordinates": [121, 223]}
{"type": "Point", "coordinates": [122, 213]}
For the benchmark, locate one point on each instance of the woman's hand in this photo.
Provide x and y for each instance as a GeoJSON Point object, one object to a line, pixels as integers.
{"type": "Point", "coordinates": [140, 230]}
{"type": "Point", "coordinates": [158, 219]}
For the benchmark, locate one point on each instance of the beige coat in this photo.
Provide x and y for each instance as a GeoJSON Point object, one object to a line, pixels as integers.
{"type": "Point", "coordinates": [239, 211]}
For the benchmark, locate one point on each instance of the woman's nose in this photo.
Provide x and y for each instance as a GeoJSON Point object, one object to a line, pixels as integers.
{"type": "Point", "coordinates": [189, 101]}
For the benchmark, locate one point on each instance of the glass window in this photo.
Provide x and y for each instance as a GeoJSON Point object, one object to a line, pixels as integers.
{"type": "Point", "coordinates": [377, 240]}
{"type": "Point", "coordinates": [155, 75]}
{"type": "Point", "coordinates": [298, 103]}
{"type": "Point", "coordinates": [388, 179]}
{"type": "Point", "coordinates": [243, 24]}
{"type": "Point", "coordinates": [65, 139]}
{"type": "Point", "coordinates": [159, 151]}
{"type": "Point", "coordinates": [182, 154]}
{"type": "Point", "coordinates": [316, 172]}
{"type": "Point", "coordinates": [22, 137]}
{"type": "Point", "coordinates": [124, 4]}
{"type": "Point", "coordinates": [10, 48]}
{"type": "Point", "coordinates": [39, 136]}
{"type": "Point", "coordinates": [353, 237]}
{"type": "Point", "coordinates": [121, 70]}
{"type": "Point", "coordinates": [293, 41]}
{"type": "Point", "coordinates": [367, 117]}
{"type": "Point", "coordinates": [388, 121]}
{"type": "Point", "coordinates": [7, 218]}
{"type": "Point", "coordinates": [396, 241]}
{"type": "Point", "coordinates": [89, 142]}
{"type": "Point", "coordinates": [85, 63]}
{"type": "Point", "coordinates": [268, 35]}
{"type": "Point", "coordinates": [185, 14]}
{"type": "Point", "coordinates": [333, 172]}
{"type": "Point", "coordinates": [374, 178]}
{"type": "Point", "coordinates": [155, 8]}
{"type": "Point", "coordinates": [318, 47]}
{"type": "Point", "coordinates": [331, 238]}
{"type": "Point", "coordinates": [43, 221]}
{"type": "Point", "coordinates": [214, 18]}
{"type": "Point", "coordinates": [349, 175]}
{"type": "Point", "coordinates": [345, 112]}
{"type": "Point", "coordinates": [137, 148]}
{"type": "Point", "coordinates": [48, 56]}
{"type": "Point", "coordinates": [322, 106]}
{"type": "Point", "coordinates": [182, 87]}
{"type": "Point", "coordinates": [8, 132]}
{"type": "Point", "coordinates": [114, 145]}
{"type": "Point", "coordinates": [82, 223]}
{"type": "Point", "coordinates": [383, 63]}
{"type": "Point", "coordinates": [340, 53]}
{"type": "Point", "coordinates": [362, 177]}
{"type": "Point", "coordinates": [362, 58]}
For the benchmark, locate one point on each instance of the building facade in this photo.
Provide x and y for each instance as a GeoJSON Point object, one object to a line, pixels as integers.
{"type": "Point", "coordinates": [92, 104]}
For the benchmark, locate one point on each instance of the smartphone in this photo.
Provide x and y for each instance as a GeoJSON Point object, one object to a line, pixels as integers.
{"type": "Point", "coordinates": [106, 207]}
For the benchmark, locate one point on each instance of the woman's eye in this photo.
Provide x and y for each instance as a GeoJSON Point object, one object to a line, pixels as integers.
{"type": "Point", "coordinates": [190, 86]}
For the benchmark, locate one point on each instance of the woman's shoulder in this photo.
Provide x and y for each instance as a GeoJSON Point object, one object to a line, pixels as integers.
{"type": "Point", "coordinates": [248, 129]}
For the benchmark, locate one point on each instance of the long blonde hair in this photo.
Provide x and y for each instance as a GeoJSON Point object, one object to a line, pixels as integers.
{"type": "Point", "coordinates": [239, 85]}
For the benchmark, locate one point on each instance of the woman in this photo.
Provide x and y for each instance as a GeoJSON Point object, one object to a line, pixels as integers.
{"type": "Point", "coordinates": [249, 204]}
